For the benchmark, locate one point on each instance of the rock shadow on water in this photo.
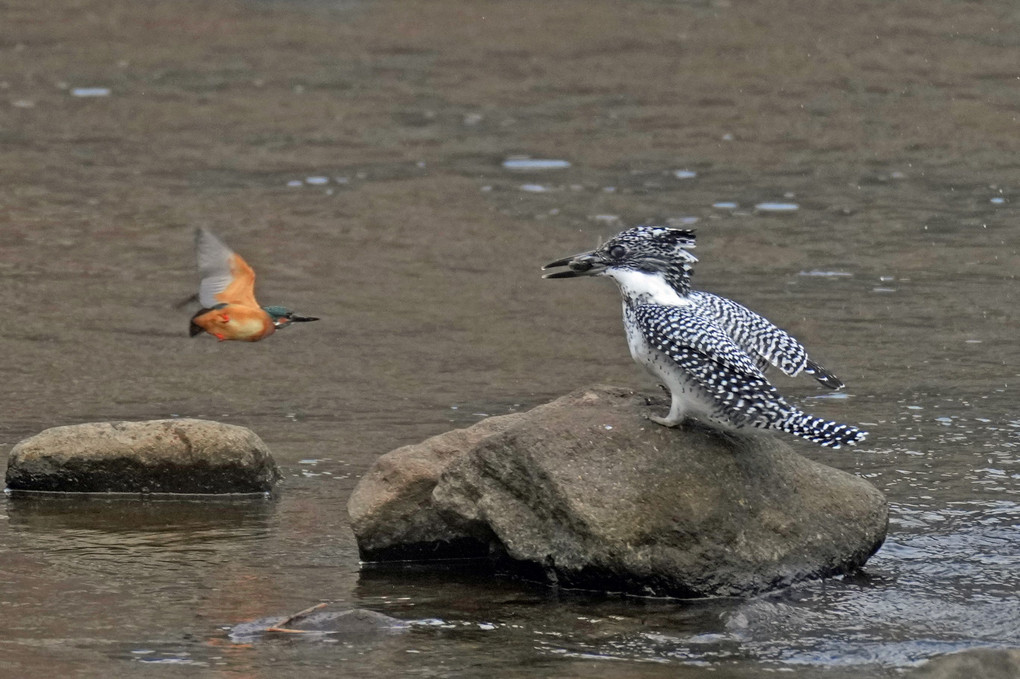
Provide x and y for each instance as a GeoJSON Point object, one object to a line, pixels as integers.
{"type": "Point", "coordinates": [119, 539]}
{"type": "Point", "coordinates": [556, 621]}
{"type": "Point", "coordinates": [42, 513]}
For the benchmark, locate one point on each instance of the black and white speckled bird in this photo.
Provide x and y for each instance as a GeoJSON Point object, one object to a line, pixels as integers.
{"type": "Point", "coordinates": [710, 352]}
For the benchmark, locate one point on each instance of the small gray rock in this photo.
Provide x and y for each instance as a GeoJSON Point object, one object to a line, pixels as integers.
{"type": "Point", "coordinates": [585, 491]}
{"type": "Point", "coordinates": [158, 456]}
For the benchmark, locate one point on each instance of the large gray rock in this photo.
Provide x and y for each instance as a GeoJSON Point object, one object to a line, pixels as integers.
{"type": "Point", "coordinates": [158, 456]}
{"type": "Point", "coordinates": [587, 492]}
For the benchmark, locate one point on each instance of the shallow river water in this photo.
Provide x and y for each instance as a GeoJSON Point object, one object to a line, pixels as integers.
{"type": "Point", "coordinates": [851, 171]}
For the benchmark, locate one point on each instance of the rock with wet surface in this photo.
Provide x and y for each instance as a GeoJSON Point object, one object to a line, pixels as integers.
{"type": "Point", "coordinates": [157, 456]}
{"type": "Point", "coordinates": [586, 492]}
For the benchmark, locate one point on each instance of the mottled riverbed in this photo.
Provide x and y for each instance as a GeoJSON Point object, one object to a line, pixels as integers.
{"type": "Point", "coordinates": [850, 169]}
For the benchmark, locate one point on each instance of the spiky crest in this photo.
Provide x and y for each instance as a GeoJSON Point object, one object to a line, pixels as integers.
{"type": "Point", "coordinates": [653, 249]}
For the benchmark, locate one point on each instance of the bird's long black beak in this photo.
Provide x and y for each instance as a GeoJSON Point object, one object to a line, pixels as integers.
{"type": "Point", "coordinates": [291, 317]}
{"type": "Point", "coordinates": [583, 264]}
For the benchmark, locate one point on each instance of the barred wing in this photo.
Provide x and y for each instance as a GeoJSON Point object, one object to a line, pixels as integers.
{"type": "Point", "coordinates": [760, 338]}
{"type": "Point", "coordinates": [724, 373]}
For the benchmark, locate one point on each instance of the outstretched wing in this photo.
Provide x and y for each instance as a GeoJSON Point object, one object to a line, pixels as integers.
{"type": "Point", "coordinates": [762, 339]}
{"type": "Point", "coordinates": [226, 277]}
{"type": "Point", "coordinates": [721, 369]}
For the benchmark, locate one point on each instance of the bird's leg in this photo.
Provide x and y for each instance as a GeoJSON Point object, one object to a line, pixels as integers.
{"type": "Point", "coordinates": [676, 412]}
{"type": "Point", "coordinates": [667, 421]}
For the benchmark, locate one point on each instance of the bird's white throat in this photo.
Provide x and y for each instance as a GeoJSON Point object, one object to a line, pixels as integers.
{"type": "Point", "coordinates": [643, 287]}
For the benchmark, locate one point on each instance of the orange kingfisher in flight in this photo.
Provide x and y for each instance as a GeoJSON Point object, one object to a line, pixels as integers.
{"type": "Point", "coordinates": [227, 295]}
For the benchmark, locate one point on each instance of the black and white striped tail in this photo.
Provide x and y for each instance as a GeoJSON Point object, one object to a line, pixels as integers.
{"type": "Point", "coordinates": [823, 376]}
{"type": "Point", "coordinates": [822, 432]}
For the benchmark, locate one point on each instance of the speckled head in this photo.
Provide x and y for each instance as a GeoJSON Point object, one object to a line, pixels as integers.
{"type": "Point", "coordinates": [659, 251]}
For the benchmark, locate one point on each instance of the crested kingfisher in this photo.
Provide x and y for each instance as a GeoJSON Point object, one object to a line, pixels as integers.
{"type": "Point", "coordinates": [227, 295]}
{"type": "Point", "coordinates": [710, 352]}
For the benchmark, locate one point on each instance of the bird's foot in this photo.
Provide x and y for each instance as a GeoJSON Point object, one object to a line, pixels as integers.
{"type": "Point", "coordinates": [666, 421]}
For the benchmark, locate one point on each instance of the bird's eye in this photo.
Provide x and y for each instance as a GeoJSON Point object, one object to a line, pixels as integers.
{"type": "Point", "coordinates": [617, 252]}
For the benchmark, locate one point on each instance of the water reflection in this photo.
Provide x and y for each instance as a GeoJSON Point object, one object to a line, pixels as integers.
{"type": "Point", "coordinates": [898, 615]}
{"type": "Point", "coordinates": [132, 513]}
{"type": "Point", "coordinates": [110, 536]}
{"type": "Point", "coordinates": [87, 92]}
{"type": "Point", "coordinates": [524, 164]}
{"type": "Point", "coordinates": [777, 207]}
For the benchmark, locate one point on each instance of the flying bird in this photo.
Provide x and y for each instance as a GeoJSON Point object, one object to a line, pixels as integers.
{"type": "Point", "coordinates": [709, 351]}
{"type": "Point", "coordinates": [227, 295]}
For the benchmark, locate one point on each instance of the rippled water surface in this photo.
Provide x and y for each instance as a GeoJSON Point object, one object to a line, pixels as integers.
{"type": "Point", "coordinates": [402, 170]}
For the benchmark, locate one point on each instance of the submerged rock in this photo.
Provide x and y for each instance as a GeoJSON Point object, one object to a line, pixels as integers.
{"type": "Point", "coordinates": [321, 622]}
{"type": "Point", "coordinates": [586, 492]}
{"type": "Point", "coordinates": [979, 663]}
{"type": "Point", "coordinates": [158, 456]}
